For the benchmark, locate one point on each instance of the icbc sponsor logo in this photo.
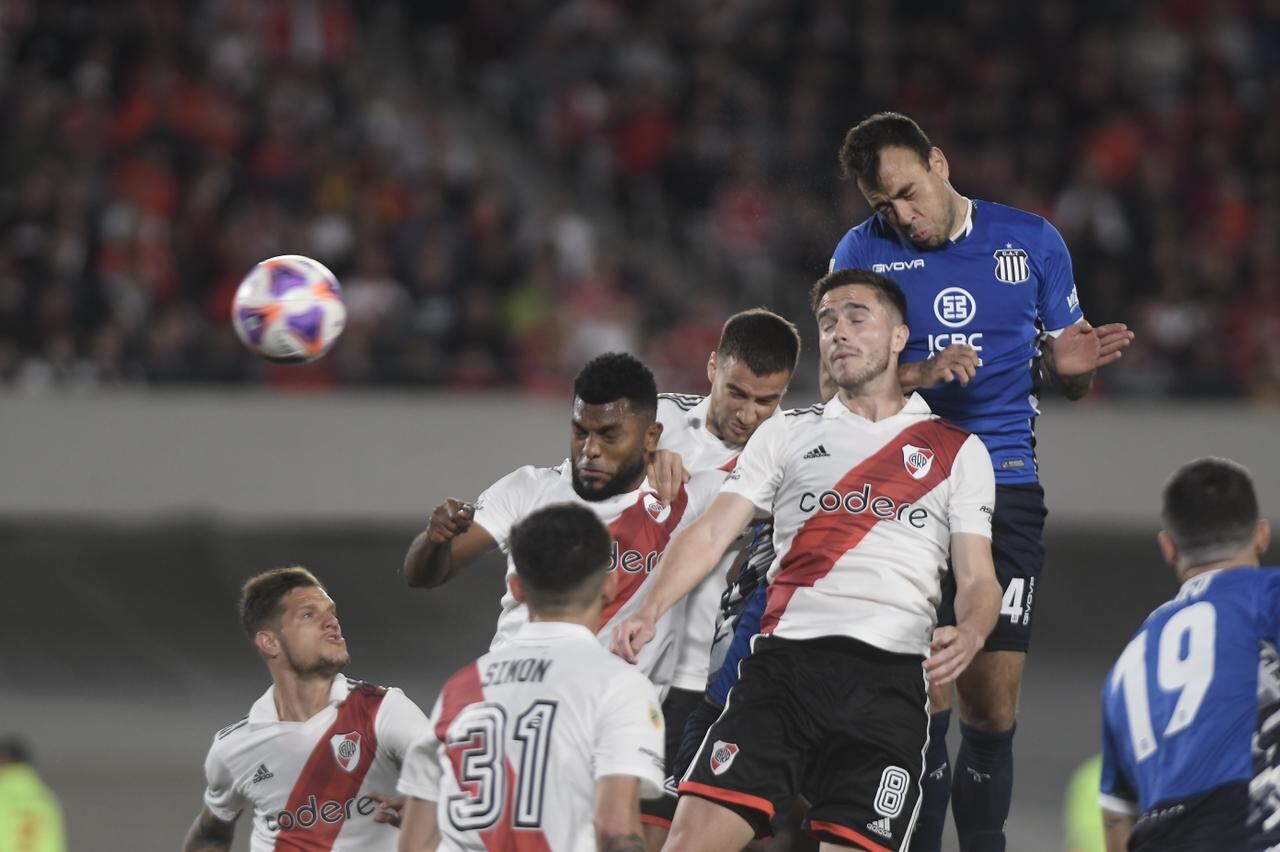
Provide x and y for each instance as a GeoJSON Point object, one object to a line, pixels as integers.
{"type": "Point", "coordinates": [863, 500]}
{"type": "Point", "coordinates": [633, 561]}
{"type": "Point", "coordinates": [311, 812]}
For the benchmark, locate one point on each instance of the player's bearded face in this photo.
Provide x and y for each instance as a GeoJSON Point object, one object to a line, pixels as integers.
{"type": "Point", "coordinates": [609, 445]}
{"type": "Point", "coordinates": [857, 335]}
{"type": "Point", "coordinates": [914, 197]}
{"type": "Point", "coordinates": [310, 635]}
{"type": "Point", "coordinates": [740, 399]}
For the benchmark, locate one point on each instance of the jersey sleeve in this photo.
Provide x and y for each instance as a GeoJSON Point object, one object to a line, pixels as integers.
{"type": "Point", "coordinates": [399, 724]}
{"type": "Point", "coordinates": [1056, 301]}
{"type": "Point", "coordinates": [1116, 792]}
{"type": "Point", "coordinates": [759, 470]}
{"type": "Point", "coordinates": [220, 795]}
{"type": "Point", "coordinates": [846, 255]}
{"type": "Point", "coordinates": [420, 773]}
{"type": "Point", "coordinates": [629, 733]}
{"type": "Point", "coordinates": [506, 501]}
{"type": "Point", "coordinates": [973, 490]}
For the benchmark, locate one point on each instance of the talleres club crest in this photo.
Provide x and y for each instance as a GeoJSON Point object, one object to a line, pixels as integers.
{"type": "Point", "coordinates": [346, 749]}
{"type": "Point", "coordinates": [917, 460]}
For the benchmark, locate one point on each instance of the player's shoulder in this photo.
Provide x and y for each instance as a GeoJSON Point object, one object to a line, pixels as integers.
{"type": "Point", "coordinates": [1017, 223]}
{"type": "Point", "coordinates": [873, 229]}
{"type": "Point", "coordinates": [531, 477]}
{"type": "Point", "coordinates": [229, 733]}
{"type": "Point", "coordinates": [682, 402]}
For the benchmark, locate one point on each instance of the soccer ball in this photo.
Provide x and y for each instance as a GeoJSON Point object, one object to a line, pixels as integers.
{"type": "Point", "coordinates": [289, 309]}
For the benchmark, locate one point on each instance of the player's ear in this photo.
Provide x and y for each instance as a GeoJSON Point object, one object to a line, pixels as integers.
{"type": "Point", "coordinates": [517, 588]}
{"type": "Point", "coordinates": [938, 163]}
{"type": "Point", "coordinates": [651, 436]}
{"type": "Point", "coordinates": [267, 643]}
{"type": "Point", "coordinates": [711, 368]}
{"type": "Point", "coordinates": [1168, 549]}
{"type": "Point", "coordinates": [901, 334]}
{"type": "Point", "coordinates": [1262, 537]}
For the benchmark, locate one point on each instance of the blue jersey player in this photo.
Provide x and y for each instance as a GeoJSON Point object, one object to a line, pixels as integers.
{"type": "Point", "coordinates": [1190, 748]}
{"type": "Point", "coordinates": [991, 303]}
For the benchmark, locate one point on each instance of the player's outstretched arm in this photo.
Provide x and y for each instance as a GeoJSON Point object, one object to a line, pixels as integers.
{"type": "Point", "coordinates": [617, 817]}
{"type": "Point", "coordinates": [977, 608]}
{"type": "Point", "coordinates": [690, 556]}
{"type": "Point", "coordinates": [419, 831]}
{"type": "Point", "coordinates": [450, 543]}
{"type": "Point", "coordinates": [1117, 827]}
{"type": "Point", "coordinates": [209, 834]}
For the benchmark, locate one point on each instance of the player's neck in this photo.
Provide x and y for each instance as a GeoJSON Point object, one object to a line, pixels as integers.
{"type": "Point", "coordinates": [875, 400]}
{"type": "Point", "coordinates": [299, 697]}
{"type": "Point", "coordinates": [589, 619]}
{"type": "Point", "coordinates": [960, 207]}
{"type": "Point", "coordinates": [1240, 560]}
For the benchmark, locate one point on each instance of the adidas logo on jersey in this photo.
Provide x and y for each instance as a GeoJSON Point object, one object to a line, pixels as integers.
{"type": "Point", "coordinates": [881, 827]}
{"type": "Point", "coordinates": [818, 452]}
{"type": "Point", "coordinates": [262, 774]}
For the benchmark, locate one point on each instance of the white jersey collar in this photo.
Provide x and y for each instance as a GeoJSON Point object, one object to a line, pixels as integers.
{"type": "Point", "coordinates": [541, 631]}
{"type": "Point", "coordinates": [966, 227]}
{"type": "Point", "coordinates": [264, 712]}
{"type": "Point", "coordinates": [835, 408]}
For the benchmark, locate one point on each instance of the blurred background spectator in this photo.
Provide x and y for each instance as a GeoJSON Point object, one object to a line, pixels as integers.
{"type": "Point", "coordinates": [506, 187]}
{"type": "Point", "coordinates": [30, 815]}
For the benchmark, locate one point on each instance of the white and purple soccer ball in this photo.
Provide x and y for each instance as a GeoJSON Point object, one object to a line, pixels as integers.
{"type": "Point", "coordinates": [289, 309]}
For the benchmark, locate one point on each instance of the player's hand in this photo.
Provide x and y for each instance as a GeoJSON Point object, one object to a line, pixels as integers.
{"type": "Point", "coordinates": [666, 474]}
{"type": "Point", "coordinates": [632, 635]}
{"type": "Point", "coordinates": [950, 653]}
{"type": "Point", "coordinates": [451, 518]}
{"type": "Point", "coordinates": [957, 363]}
{"type": "Point", "coordinates": [390, 808]}
{"type": "Point", "coordinates": [1112, 340]}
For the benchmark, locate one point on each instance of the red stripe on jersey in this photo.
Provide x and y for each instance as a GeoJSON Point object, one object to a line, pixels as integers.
{"type": "Point", "coordinates": [847, 834]}
{"type": "Point", "coordinates": [638, 532]}
{"type": "Point", "coordinates": [460, 692]}
{"type": "Point", "coordinates": [324, 781]}
{"type": "Point", "coordinates": [827, 536]}
{"type": "Point", "coordinates": [728, 466]}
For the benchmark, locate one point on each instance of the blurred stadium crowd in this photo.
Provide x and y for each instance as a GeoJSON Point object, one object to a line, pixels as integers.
{"type": "Point", "coordinates": [506, 187]}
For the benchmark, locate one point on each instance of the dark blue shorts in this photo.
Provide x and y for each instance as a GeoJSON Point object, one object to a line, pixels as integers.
{"type": "Point", "coordinates": [1017, 545]}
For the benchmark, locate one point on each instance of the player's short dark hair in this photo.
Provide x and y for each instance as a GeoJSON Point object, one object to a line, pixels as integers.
{"type": "Point", "coordinates": [860, 153]}
{"type": "Point", "coordinates": [1209, 509]}
{"type": "Point", "coordinates": [615, 376]}
{"type": "Point", "coordinates": [765, 342]}
{"type": "Point", "coordinates": [261, 596]}
{"type": "Point", "coordinates": [888, 291]}
{"type": "Point", "coordinates": [14, 749]}
{"type": "Point", "coordinates": [561, 555]}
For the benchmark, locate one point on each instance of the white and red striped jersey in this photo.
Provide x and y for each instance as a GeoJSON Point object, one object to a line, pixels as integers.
{"type": "Point", "coordinates": [520, 739]}
{"type": "Point", "coordinates": [684, 431]}
{"type": "Point", "coordinates": [863, 515]}
{"type": "Point", "coordinates": [309, 782]}
{"type": "Point", "coordinates": [640, 524]}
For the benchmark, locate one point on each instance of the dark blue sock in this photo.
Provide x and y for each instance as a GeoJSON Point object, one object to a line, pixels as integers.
{"type": "Point", "coordinates": [982, 788]}
{"type": "Point", "coordinates": [936, 787]}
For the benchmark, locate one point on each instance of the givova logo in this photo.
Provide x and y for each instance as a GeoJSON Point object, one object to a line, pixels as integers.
{"type": "Point", "coordinates": [310, 812]}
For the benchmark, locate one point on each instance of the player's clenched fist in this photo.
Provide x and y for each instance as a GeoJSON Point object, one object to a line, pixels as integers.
{"type": "Point", "coordinates": [950, 653]}
{"type": "Point", "coordinates": [632, 635]}
{"type": "Point", "coordinates": [451, 518]}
